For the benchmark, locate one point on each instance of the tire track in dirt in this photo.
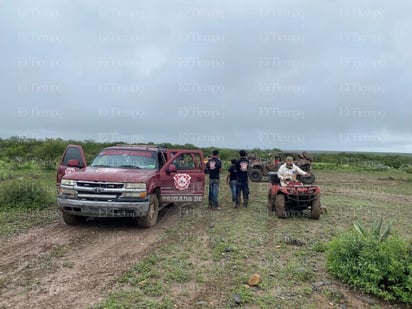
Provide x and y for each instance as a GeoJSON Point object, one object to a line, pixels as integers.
{"type": "Point", "coordinates": [60, 266]}
{"type": "Point", "coordinates": [33, 243]}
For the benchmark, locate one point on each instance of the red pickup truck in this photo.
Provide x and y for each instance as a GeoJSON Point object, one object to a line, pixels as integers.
{"type": "Point", "coordinates": [128, 181]}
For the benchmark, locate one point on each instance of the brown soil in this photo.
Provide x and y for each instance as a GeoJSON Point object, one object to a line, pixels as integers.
{"type": "Point", "coordinates": [60, 266]}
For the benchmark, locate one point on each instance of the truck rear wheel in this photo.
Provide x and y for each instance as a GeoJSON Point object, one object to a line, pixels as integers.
{"type": "Point", "coordinates": [152, 213]}
{"type": "Point", "coordinates": [280, 206]}
{"type": "Point", "coordinates": [255, 175]}
{"type": "Point", "coordinates": [72, 219]}
{"type": "Point", "coordinates": [315, 208]}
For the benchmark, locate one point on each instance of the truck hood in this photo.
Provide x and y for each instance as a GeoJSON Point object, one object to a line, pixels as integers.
{"type": "Point", "coordinates": [111, 174]}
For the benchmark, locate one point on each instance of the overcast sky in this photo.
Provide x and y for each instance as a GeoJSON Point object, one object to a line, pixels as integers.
{"type": "Point", "coordinates": [304, 75]}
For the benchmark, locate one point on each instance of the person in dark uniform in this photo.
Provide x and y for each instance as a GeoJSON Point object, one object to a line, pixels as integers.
{"type": "Point", "coordinates": [214, 166]}
{"type": "Point", "coordinates": [242, 167]}
{"type": "Point", "coordinates": [232, 179]}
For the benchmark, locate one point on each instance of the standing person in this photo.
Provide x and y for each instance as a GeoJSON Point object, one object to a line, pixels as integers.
{"type": "Point", "coordinates": [214, 166]}
{"type": "Point", "coordinates": [242, 167]}
{"type": "Point", "coordinates": [289, 171]}
{"type": "Point", "coordinates": [231, 179]}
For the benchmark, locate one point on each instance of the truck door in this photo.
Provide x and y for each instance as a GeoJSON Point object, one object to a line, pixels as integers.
{"type": "Point", "coordinates": [72, 160]}
{"type": "Point", "coordinates": [182, 177]}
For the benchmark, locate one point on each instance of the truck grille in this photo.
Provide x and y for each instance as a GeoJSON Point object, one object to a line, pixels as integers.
{"type": "Point", "coordinates": [102, 191]}
{"type": "Point", "coordinates": [112, 185]}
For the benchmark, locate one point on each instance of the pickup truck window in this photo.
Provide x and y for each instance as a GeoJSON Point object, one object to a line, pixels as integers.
{"type": "Point", "coordinates": [187, 161]}
{"type": "Point", "coordinates": [72, 154]}
{"type": "Point", "coordinates": [198, 161]}
{"type": "Point", "coordinates": [161, 158]}
{"type": "Point", "coordinates": [129, 159]}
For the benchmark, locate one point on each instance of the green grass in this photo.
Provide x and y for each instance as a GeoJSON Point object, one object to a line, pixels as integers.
{"type": "Point", "coordinates": [30, 211]}
{"type": "Point", "coordinates": [209, 256]}
{"type": "Point", "coordinates": [217, 253]}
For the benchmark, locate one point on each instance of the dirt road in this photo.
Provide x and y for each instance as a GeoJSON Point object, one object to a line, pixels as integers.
{"type": "Point", "coordinates": [60, 266]}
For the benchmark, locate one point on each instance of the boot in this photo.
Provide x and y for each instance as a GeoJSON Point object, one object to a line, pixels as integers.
{"type": "Point", "coordinates": [245, 202]}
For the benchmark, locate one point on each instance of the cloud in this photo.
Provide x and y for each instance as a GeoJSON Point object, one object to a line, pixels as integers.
{"type": "Point", "coordinates": [288, 75]}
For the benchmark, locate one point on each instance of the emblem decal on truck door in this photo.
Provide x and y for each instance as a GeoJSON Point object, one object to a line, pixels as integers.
{"type": "Point", "coordinates": [182, 181]}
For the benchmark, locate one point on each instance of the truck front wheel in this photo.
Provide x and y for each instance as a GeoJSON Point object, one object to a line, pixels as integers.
{"type": "Point", "coordinates": [72, 219]}
{"type": "Point", "coordinates": [152, 213]}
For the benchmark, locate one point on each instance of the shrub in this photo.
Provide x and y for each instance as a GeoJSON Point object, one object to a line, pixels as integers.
{"type": "Point", "coordinates": [377, 265]}
{"type": "Point", "coordinates": [5, 170]}
{"type": "Point", "coordinates": [24, 194]}
{"type": "Point", "coordinates": [407, 168]}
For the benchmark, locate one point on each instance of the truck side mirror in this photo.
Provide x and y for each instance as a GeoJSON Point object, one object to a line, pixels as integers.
{"type": "Point", "coordinates": [73, 163]}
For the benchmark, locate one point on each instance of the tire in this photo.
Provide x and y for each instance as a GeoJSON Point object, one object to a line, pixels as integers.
{"type": "Point", "coordinates": [307, 156]}
{"type": "Point", "coordinates": [307, 180]}
{"type": "Point", "coordinates": [152, 213]}
{"type": "Point", "coordinates": [73, 219]}
{"type": "Point", "coordinates": [255, 175]}
{"type": "Point", "coordinates": [271, 203]}
{"type": "Point", "coordinates": [280, 206]}
{"type": "Point", "coordinates": [316, 208]}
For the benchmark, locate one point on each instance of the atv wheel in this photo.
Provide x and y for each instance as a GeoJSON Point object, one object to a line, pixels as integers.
{"type": "Point", "coordinates": [72, 219]}
{"type": "Point", "coordinates": [306, 180]}
{"type": "Point", "coordinates": [280, 206]}
{"type": "Point", "coordinates": [271, 203]}
{"type": "Point", "coordinates": [152, 213]}
{"type": "Point", "coordinates": [255, 175]}
{"type": "Point", "coordinates": [316, 208]}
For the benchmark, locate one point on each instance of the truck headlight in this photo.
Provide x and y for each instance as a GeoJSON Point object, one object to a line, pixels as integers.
{"type": "Point", "coordinates": [135, 189]}
{"type": "Point", "coordinates": [67, 187]}
{"type": "Point", "coordinates": [135, 185]}
{"type": "Point", "coordinates": [68, 182]}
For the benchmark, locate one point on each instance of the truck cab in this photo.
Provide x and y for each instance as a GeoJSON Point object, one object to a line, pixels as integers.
{"type": "Point", "coordinates": [127, 181]}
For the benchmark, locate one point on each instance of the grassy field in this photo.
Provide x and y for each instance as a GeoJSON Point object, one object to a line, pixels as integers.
{"type": "Point", "coordinates": [206, 258]}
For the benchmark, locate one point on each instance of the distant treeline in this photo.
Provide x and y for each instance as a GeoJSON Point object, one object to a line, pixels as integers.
{"type": "Point", "coordinates": [24, 153]}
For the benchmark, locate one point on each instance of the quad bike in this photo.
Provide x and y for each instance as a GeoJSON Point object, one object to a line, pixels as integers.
{"type": "Point", "coordinates": [260, 168]}
{"type": "Point", "coordinates": [295, 197]}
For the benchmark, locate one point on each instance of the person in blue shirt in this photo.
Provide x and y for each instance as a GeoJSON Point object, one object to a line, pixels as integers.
{"type": "Point", "coordinates": [242, 167]}
{"type": "Point", "coordinates": [214, 167]}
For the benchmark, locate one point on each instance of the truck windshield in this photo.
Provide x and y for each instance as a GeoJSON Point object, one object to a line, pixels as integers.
{"type": "Point", "coordinates": [125, 159]}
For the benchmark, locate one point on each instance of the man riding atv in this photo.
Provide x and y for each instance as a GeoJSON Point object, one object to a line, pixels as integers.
{"type": "Point", "coordinates": [288, 171]}
{"type": "Point", "coordinates": [288, 195]}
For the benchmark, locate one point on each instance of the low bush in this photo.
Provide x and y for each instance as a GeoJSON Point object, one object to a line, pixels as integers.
{"type": "Point", "coordinates": [24, 194]}
{"type": "Point", "coordinates": [373, 262]}
{"type": "Point", "coordinates": [407, 169]}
